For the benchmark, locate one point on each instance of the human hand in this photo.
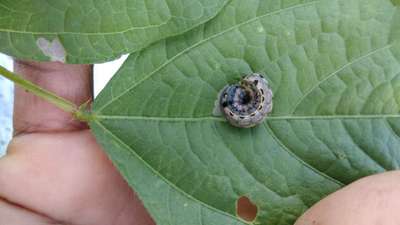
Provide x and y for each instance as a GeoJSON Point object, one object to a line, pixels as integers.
{"type": "Point", "coordinates": [54, 171]}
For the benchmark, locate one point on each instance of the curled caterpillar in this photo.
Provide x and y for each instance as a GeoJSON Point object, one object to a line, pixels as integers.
{"type": "Point", "coordinates": [247, 103]}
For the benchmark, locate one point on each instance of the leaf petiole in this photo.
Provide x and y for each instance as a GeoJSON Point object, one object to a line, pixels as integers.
{"type": "Point", "coordinates": [62, 103]}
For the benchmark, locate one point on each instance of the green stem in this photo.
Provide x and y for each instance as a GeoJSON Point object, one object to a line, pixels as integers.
{"type": "Point", "coordinates": [48, 96]}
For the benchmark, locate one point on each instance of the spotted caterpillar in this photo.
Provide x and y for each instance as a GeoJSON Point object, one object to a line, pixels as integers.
{"type": "Point", "coordinates": [247, 103]}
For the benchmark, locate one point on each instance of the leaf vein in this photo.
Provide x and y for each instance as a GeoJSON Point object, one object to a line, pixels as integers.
{"type": "Point", "coordinates": [134, 154]}
{"type": "Point", "coordinates": [273, 135]}
{"type": "Point", "coordinates": [167, 62]}
{"type": "Point", "coordinates": [334, 73]}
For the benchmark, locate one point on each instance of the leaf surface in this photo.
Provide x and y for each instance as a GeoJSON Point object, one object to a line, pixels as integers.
{"type": "Point", "coordinates": [333, 66]}
{"type": "Point", "coordinates": [95, 30]}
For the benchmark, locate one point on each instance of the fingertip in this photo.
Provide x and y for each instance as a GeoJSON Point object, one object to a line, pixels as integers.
{"type": "Point", "coordinates": [369, 201]}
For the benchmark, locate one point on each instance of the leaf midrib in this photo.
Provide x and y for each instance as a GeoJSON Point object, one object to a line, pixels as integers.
{"type": "Point", "coordinates": [82, 33]}
{"type": "Point", "coordinates": [99, 117]}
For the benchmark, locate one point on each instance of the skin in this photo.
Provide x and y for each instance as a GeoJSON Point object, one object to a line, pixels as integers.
{"type": "Point", "coordinates": [373, 200]}
{"type": "Point", "coordinates": [55, 173]}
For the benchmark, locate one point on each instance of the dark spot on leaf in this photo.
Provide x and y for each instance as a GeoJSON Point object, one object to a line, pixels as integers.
{"type": "Point", "coordinates": [241, 117]}
{"type": "Point", "coordinates": [224, 104]}
{"type": "Point", "coordinates": [255, 82]}
{"type": "Point", "coordinates": [230, 113]}
{"type": "Point", "coordinates": [262, 91]}
{"type": "Point", "coordinates": [245, 209]}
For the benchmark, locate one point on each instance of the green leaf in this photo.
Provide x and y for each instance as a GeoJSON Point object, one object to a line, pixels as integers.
{"type": "Point", "coordinates": [94, 31]}
{"type": "Point", "coordinates": [334, 68]}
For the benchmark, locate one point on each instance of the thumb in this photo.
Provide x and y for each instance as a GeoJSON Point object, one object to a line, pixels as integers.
{"type": "Point", "coordinates": [369, 201]}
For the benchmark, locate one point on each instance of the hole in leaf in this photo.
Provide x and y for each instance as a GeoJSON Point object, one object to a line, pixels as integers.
{"type": "Point", "coordinates": [245, 209]}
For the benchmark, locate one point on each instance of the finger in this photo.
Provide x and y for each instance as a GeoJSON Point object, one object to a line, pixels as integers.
{"type": "Point", "coordinates": [67, 177]}
{"type": "Point", "coordinates": [32, 114]}
{"type": "Point", "coordinates": [11, 214]}
{"type": "Point", "coordinates": [369, 201]}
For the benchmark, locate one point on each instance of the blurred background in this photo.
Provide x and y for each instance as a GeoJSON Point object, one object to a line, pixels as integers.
{"type": "Point", "coordinates": [102, 74]}
{"type": "Point", "coordinates": [6, 101]}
